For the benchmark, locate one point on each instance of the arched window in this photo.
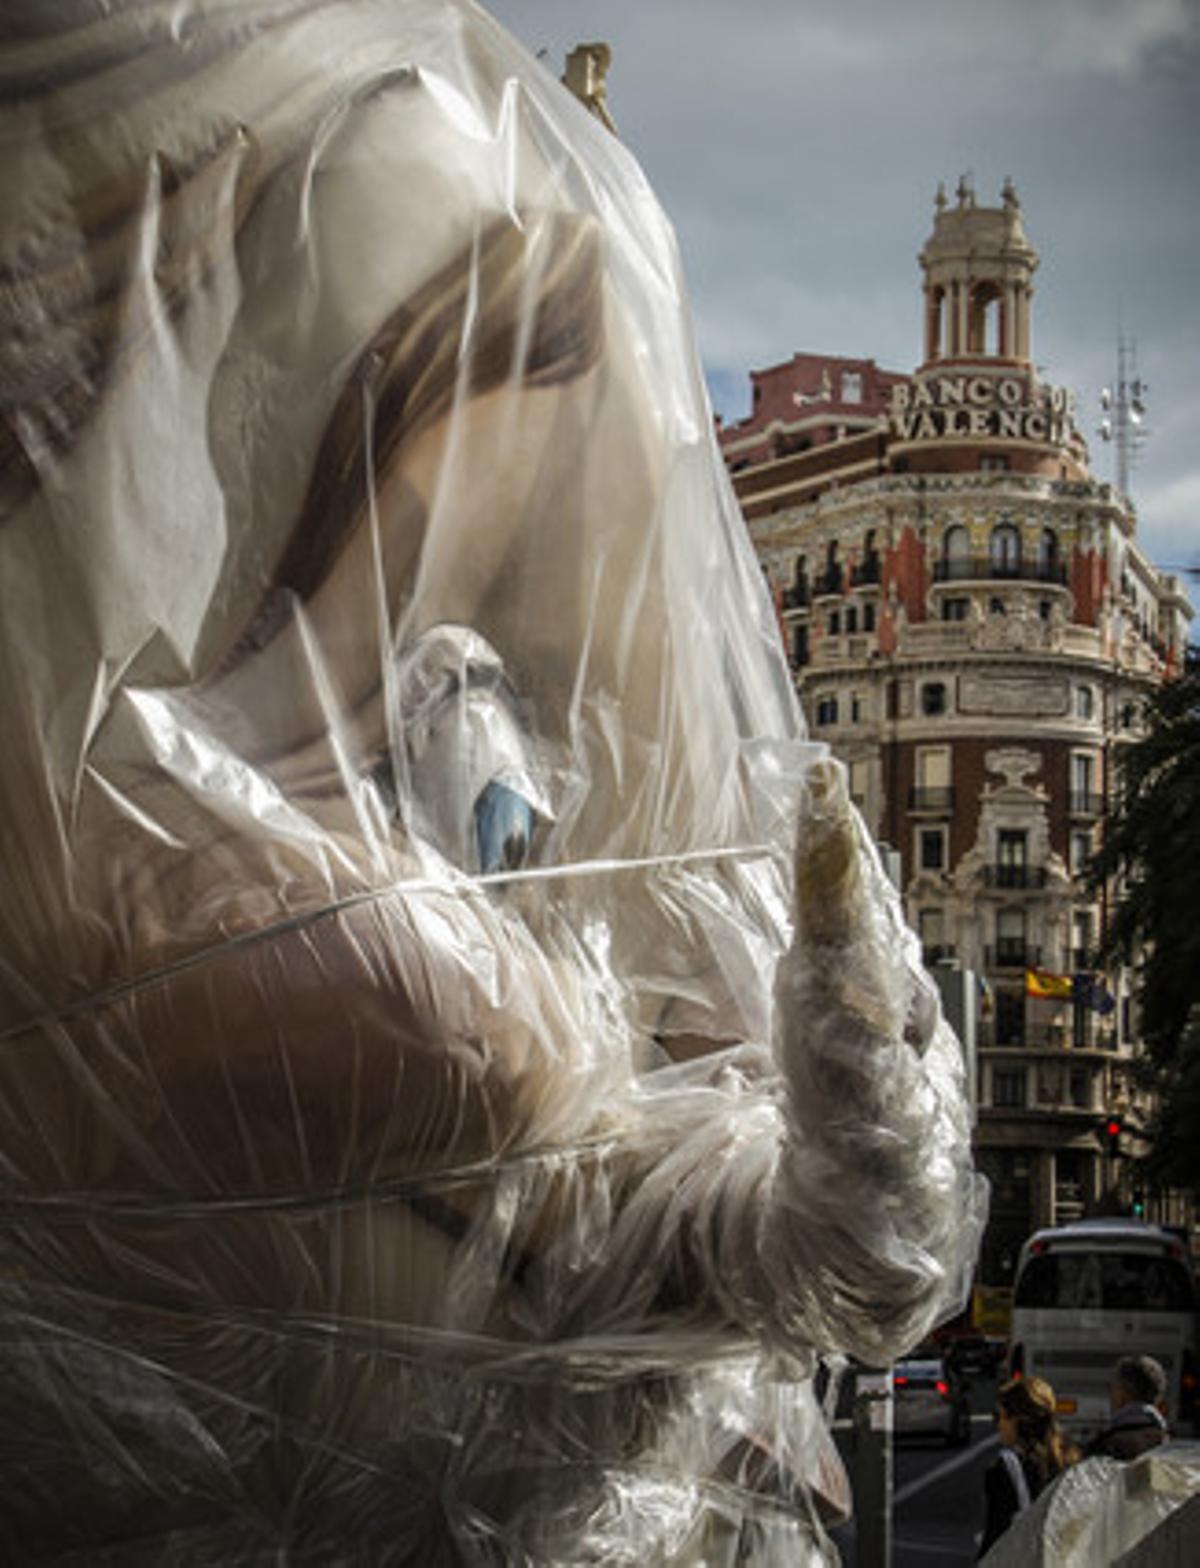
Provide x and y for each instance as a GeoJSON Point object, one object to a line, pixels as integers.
{"type": "Point", "coordinates": [798, 595]}
{"type": "Point", "coordinates": [1048, 554]}
{"type": "Point", "coordinates": [983, 327]}
{"type": "Point", "coordinates": [833, 569]}
{"type": "Point", "coordinates": [956, 554]}
{"type": "Point", "coordinates": [1006, 550]}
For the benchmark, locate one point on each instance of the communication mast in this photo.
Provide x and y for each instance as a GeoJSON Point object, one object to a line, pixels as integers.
{"type": "Point", "coordinates": [1124, 409]}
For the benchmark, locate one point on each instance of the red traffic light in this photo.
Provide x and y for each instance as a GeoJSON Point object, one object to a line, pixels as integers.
{"type": "Point", "coordinates": [1112, 1127]}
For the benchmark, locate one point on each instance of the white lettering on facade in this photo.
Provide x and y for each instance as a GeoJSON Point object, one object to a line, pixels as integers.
{"type": "Point", "coordinates": [978, 407]}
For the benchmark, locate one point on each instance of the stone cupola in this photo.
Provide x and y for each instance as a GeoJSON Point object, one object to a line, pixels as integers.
{"type": "Point", "coordinates": [978, 268]}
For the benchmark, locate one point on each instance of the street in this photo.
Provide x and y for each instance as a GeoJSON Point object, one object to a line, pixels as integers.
{"type": "Point", "coordinates": [937, 1502]}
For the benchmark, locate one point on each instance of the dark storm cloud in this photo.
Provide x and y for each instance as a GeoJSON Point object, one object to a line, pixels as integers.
{"type": "Point", "coordinates": [797, 148]}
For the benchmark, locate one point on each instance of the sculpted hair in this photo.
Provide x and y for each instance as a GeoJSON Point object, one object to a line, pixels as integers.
{"type": "Point", "coordinates": [523, 306]}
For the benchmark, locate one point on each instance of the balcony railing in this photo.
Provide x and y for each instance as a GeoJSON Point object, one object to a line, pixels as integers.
{"type": "Point", "coordinates": [1012, 953]}
{"type": "Point", "coordinates": [831, 580]}
{"type": "Point", "coordinates": [1047, 1036]}
{"type": "Point", "coordinates": [1083, 803]}
{"type": "Point", "coordinates": [867, 571]}
{"type": "Point", "coordinates": [982, 569]}
{"type": "Point", "coordinates": [797, 597]}
{"type": "Point", "coordinates": [925, 798]}
{"type": "Point", "coordinates": [1015, 876]}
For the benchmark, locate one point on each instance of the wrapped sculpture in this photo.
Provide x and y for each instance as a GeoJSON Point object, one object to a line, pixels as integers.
{"type": "Point", "coordinates": [461, 1058]}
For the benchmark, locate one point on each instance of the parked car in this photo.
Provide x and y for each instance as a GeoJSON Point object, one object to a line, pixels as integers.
{"type": "Point", "coordinates": [931, 1400]}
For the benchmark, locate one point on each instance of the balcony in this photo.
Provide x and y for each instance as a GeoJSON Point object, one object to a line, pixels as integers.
{"type": "Point", "coordinates": [1047, 1037]}
{"type": "Point", "coordinates": [797, 597]}
{"type": "Point", "coordinates": [938, 798]}
{"type": "Point", "coordinates": [982, 569]}
{"type": "Point", "coordinates": [1012, 953]}
{"type": "Point", "coordinates": [1014, 876]}
{"type": "Point", "coordinates": [867, 571]}
{"type": "Point", "coordinates": [1083, 803]}
{"type": "Point", "coordinates": [831, 581]}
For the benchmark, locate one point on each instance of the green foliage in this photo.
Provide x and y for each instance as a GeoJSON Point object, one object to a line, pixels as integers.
{"type": "Point", "coordinates": [1174, 1159]}
{"type": "Point", "coordinates": [1152, 845]}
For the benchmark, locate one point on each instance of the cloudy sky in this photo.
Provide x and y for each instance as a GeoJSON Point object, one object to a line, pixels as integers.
{"type": "Point", "coordinates": [797, 147]}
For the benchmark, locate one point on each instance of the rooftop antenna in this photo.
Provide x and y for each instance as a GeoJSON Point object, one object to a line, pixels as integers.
{"type": "Point", "coordinates": [1123, 408]}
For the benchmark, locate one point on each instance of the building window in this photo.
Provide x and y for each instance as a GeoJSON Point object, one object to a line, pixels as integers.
{"type": "Point", "coordinates": [1080, 1089]}
{"type": "Point", "coordinates": [1011, 951]}
{"type": "Point", "coordinates": [932, 849]}
{"type": "Point", "coordinates": [1006, 550]}
{"type": "Point", "coordinates": [933, 698]}
{"type": "Point", "coordinates": [1128, 716]}
{"type": "Point", "coordinates": [855, 707]}
{"type": "Point", "coordinates": [1081, 939]}
{"type": "Point", "coordinates": [852, 386]}
{"type": "Point", "coordinates": [1008, 1087]}
{"type": "Point", "coordinates": [1085, 702]}
{"type": "Point", "coordinates": [1048, 552]}
{"type": "Point", "coordinates": [834, 623]}
{"type": "Point", "coordinates": [868, 617]}
{"type": "Point", "coordinates": [932, 791]}
{"type": "Point", "coordinates": [851, 618]}
{"type": "Point", "coordinates": [955, 609]}
{"type": "Point", "coordinates": [833, 578]}
{"type": "Point", "coordinates": [858, 772]}
{"type": "Point", "coordinates": [1010, 1017]}
{"type": "Point", "coordinates": [1081, 851]}
{"type": "Point", "coordinates": [1083, 783]}
{"type": "Point", "coordinates": [827, 710]}
{"type": "Point", "coordinates": [800, 646]}
{"type": "Point", "coordinates": [1012, 858]}
{"type": "Point", "coordinates": [931, 926]}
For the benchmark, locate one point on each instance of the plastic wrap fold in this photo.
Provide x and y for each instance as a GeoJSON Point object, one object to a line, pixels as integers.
{"type": "Point", "coordinates": [1105, 1514]}
{"type": "Point", "coordinates": [460, 1060]}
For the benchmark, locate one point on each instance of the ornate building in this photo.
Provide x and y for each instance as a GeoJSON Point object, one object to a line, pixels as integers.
{"type": "Point", "coordinates": [972, 626]}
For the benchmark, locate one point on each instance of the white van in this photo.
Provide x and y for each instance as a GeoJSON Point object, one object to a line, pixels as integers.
{"type": "Point", "coordinates": [1088, 1294]}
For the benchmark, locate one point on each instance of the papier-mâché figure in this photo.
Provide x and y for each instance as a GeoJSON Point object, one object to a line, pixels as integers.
{"type": "Point", "coordinates": [462, 1062]}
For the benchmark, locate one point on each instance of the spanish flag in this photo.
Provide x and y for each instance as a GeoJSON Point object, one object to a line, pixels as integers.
{"type": "Point", "coordinates": [1040, 982]}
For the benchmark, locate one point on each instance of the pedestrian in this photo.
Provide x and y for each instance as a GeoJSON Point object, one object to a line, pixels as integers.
{"type": "Point", "coordinates": [1136, 1394]}
{"type": "Point", "coordinates": [1033, 1452]}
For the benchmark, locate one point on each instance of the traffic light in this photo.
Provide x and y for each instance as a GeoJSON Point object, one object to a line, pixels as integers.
{"type": "Point", "coordinates": [1139, 1204]}
{"type": "Point", "coordinates": [1111, 1132]}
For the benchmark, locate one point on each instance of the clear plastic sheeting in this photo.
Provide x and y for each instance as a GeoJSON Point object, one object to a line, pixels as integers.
{"type": "Point", "coordinates": [461, 1059]}
{"type": "Point", "coordinates": [1100, 1512]}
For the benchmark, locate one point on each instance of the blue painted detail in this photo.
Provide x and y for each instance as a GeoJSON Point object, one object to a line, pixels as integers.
{"type": "Point", "coordinates": [503, 828]}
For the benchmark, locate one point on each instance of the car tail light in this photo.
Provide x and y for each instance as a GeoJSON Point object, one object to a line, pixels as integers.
{"type": "Point", "coordinates": [1016, 1364]}
{"type": "Point", "coordinates": [900, 1382]}
{"type": "Point", "coordinates": [942, 1388]}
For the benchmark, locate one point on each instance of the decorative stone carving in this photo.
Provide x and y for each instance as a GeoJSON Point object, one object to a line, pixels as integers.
{"type": "Point", "coordinates": [1012, 764]}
